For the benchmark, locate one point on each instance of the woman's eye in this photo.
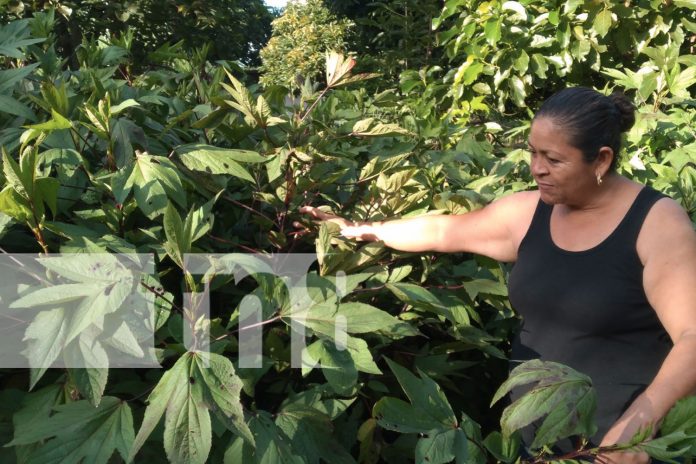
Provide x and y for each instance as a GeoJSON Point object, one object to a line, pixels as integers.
{"type": "Point", "coordinates": [554, 161]}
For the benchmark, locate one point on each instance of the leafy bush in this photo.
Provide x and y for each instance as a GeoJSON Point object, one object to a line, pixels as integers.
{"type": "Point", "coordinates": [507, 54]}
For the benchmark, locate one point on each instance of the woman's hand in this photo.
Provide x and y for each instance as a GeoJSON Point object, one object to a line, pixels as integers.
{"type": "Point", "coordinates": [348, 229]}
{"type": "Point", "coordinates": [320, 215]}
{"type": "Point", "coordinates": [639, 415]}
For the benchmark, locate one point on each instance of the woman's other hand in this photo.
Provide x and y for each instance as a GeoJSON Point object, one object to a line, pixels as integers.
{"type": "Point", "coordinates": [639, 415]}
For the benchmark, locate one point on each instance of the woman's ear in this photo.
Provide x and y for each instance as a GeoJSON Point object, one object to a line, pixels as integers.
{"type": "Point", "coordinates": [604, 160]}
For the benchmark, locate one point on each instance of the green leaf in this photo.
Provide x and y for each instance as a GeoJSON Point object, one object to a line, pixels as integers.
{"type": "Point", "coordinates": [362, 356]}
{"type": "Point", "coordinates": [323, 244]}
{"type": "Point", "coordinates": [97, 268]}
{"type": "Point", "coordinates": [491, 287]}
{"type": "Point", "coordinates": [13, 106]}
{"type": "Point", "coordinates": [337, 366]}
{"type": "Point", "coordinates": [311, 434]}
{"type": "Point", "coordinates": [57, 122]}
{"type": "Point", "coordinates": [187, 431]}
{"type": "Point", "coordinates": [429, 409]}
{"type": "Point", "coordinates": [470, 433]}
{"type": "Point", "coordinates": [272, 445]}
{"type": "Point", "coordinates": [239, 452]}
{"type": "Point", "coordinates": [221, 394]}
{"type": "Point", "coordinates": [160, 400]}
{"type": "Point", "coordinates": [36, 407]}
{"type": "Point", "coordinates": [492, 31]}
{"type": "Point", "coordinates": [16, 178]}
{"type": "Point", "coordinates": [519, 12]}
{"type": "Point", "coordinates": [124, 134]}
{"type": "Point", "coordinates": [363, 318]}
{"type": "Point", "coordinates": [521, 63]}
{"type": "Point", "coordinates": [187, 392]}
{"type": "Point", "coordinates": [437, 447]}
{"type": "Point", "coordinates": [91, 383]}
{"type": "Point", "coordinates": [122, 183]}
{"type": "Point", "coordinates": [680, 425]}
{"type": "Point", "coordinates": [178, 242]}
{"type": "Point", "coordinates": [6, 222]}
{"type": "Point", "coordinates": [46, 190]}
{"type": "Point", "coordinates": [399, 416]}
{"type": "Point", "coordinates": [564, 395]}
{"type": "Point", "coordinates": [424, 393]}
{"type": "Point", "coordinates": [9, 77]}
{"type": "Point", "coordinates": [683, 81]}
{"type": "Point", "coordinates": [668, 447]}
{"type": "Point", "coordinates": [243, 101]}
{"type": "Point", "coordinates": [114, 110]}
{"type": "Point", "coordinates": [46, 339]}
{"type": "Point", "coordinates": [365, 128]}
{"type": "Point", "coordinates": [681, 417]}
{"type": "Point", "coordinates": [78, 431]}
{"type": "Point", "coordinates": [154, 179]}
{"type": "Point", "coordinates": [505, 449]}
{"type": "Point", "coordinates": [539, 65]}
{"type": "Point", "coordinates": [517, 89]}
{"type": "Point", "coordinates": [14, 205]}
{"type": "Point", "coordinates": [215, 160]}
{"type": "Point", "coordinates": [11, 49]}
{"type": "Point", "coordinates": [602, 22]}
{"type": "Point", "coordinates": [416, 296]}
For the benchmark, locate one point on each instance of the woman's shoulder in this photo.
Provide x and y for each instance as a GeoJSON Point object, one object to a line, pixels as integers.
{"type": "Point", "coordinates": [666, 224]}
{"type": "Point", "coordinates": [516, 211]}
{"type": "Point", "coordinates": [516, 205]}
{"type": "Point", "coordinates": [525, 198]}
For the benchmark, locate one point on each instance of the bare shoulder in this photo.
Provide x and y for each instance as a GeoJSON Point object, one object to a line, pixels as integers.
{"type": "Point", "coordinates": [517, 210]}
{"type": "Point", "coordinates": [527, 199]}
{"type": "Point", "coordinates": [514, 213]}
{"type": "Point", "coordinates": [667, 229]}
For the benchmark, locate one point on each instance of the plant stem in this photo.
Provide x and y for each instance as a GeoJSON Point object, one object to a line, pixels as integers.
{"type": "Point", "coordinates": [311, 108]}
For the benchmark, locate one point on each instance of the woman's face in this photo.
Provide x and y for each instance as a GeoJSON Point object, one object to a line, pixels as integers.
{"type": "Point", "coordinates": [563, 177]}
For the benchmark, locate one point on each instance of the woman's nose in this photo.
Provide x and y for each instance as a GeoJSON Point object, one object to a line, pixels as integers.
{"type": "Point", "coordinates": [537, 166]}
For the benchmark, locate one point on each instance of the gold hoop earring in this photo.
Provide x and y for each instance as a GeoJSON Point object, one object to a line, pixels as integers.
{"type": "Point", "coordinates": [599, 179]}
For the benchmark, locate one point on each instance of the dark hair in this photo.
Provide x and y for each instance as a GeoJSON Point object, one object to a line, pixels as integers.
{"type": "Point", "coordinates": [592, 120]}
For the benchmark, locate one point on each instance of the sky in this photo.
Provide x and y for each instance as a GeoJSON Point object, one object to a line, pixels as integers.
{"type": "Point", "coordinates": [276, 3]}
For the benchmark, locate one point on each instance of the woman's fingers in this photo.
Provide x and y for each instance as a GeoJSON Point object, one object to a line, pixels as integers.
{"type": "Point", "coordinates": [623, 458]}
{"type": "Point", "coordinates": [348, 228]}
{"type": "Point", "coordinates": [320, 215]}
{"type": "Point", "coordinates": [316, 213]}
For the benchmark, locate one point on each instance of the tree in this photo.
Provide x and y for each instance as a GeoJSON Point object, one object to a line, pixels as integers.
{"type": "Point", "coordinates": [392, 35]}
{"type": "Point", "coordinates": [236, 29]}
{"type": "Point", "coordinates": [301, 37]}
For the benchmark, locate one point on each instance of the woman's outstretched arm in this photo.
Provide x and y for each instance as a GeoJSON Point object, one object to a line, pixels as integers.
{"type": "Point", "coordinates": [494, 231]}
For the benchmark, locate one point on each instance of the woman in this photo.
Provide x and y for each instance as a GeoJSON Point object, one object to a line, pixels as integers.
{"type": "Point", "coordinates": [604, 272]}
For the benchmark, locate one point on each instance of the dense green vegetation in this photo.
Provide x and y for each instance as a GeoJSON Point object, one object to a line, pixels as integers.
{"type": "Point", "coordinates": [181, 150]}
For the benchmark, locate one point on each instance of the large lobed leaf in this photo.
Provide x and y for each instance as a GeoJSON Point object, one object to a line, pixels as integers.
{"type": "Point", "coordinates": [80, 432]}
{"type": "Point", "coordinates": [197, 384]}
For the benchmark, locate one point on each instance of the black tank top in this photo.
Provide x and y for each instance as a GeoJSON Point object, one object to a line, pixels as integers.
{"type": "Point", "coordinates": [588, 309]}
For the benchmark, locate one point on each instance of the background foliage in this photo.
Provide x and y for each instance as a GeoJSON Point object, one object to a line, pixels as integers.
{"type": "Point", "coordinates": [101, 153]}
